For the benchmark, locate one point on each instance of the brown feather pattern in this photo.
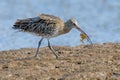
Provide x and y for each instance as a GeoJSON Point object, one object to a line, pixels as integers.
{"type": "Point", "coordinates": [43, 25]}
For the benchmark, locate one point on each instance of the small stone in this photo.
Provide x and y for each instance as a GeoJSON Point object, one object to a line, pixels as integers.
{"type": "Point", "coordinates": [52, 78]}
{"type": "Point", "coordinates": [5, 67]}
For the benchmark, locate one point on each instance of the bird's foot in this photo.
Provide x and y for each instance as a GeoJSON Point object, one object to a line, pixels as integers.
{"type": "Point", "coordinates": [56, 55]}
{"type": "Point", "coordinates": [36, 57]}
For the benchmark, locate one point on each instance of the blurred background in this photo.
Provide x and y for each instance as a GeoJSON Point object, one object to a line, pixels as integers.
{"type": "Point", "coordinates": [100, 19]}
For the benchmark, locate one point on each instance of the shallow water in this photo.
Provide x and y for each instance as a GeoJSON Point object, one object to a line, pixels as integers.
{"type": "Point", "coordinates": [100, 19]}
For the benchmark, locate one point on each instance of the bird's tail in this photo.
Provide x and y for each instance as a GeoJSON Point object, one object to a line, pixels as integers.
{"type": "Point", "coordinates": [21, 24]}
{"type": "Point", "coordinates": [25, 24]}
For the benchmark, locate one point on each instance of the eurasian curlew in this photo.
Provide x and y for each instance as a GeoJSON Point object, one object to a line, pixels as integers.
{"type": "Point", "coordinates": [47, 26]}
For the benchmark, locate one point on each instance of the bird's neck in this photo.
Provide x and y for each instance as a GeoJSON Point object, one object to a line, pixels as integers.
{"type": "Point", "coordinates": [67, 27]}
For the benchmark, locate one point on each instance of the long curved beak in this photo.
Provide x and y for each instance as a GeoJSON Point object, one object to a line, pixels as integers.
{"type": "Point", "coordinates": [88, 39]}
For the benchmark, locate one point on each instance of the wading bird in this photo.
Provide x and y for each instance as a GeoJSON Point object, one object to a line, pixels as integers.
{"type": "Point", "coordinates": [47, 26]}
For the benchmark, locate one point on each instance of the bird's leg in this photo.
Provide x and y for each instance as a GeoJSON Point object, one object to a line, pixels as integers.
{"type": "Point", "coordinates": [51, 48]}
{"type": "Point", "coordinates": [36, 55]}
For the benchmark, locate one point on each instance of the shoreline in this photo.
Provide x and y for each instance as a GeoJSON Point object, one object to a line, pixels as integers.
{"type": "Point", "coordinates": [77, 63]}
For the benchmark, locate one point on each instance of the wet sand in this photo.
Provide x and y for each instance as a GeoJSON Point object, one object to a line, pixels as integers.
{"type": "Point", "coordinates": [85, 62]}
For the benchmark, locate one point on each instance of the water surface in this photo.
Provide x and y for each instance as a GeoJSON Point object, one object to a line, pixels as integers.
{"type": "Point", "coordinates": [100, 19]}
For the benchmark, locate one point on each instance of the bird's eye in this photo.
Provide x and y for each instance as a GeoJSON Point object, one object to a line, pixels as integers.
{"type": "Point", "coordinates": [74, 24]}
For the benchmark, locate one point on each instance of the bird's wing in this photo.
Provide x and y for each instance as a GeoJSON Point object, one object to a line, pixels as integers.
{"type": "Point", "coordinates": [33, 24]}
{"type": "Point", "coordinates": [50, 18]}
{"type": "Point", "coordinates": [42, 19]}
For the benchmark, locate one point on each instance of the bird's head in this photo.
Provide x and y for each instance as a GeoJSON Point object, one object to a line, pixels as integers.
{"type": "Point", "coordinates": [74, 24]}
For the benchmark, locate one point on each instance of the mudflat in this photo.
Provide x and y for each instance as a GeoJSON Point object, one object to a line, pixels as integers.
{"type": "Point", "coordinates": [84, 62]}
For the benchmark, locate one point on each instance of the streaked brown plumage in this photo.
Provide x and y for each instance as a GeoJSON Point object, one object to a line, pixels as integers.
{"type": "Point", "coordinates": [47, 26]}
